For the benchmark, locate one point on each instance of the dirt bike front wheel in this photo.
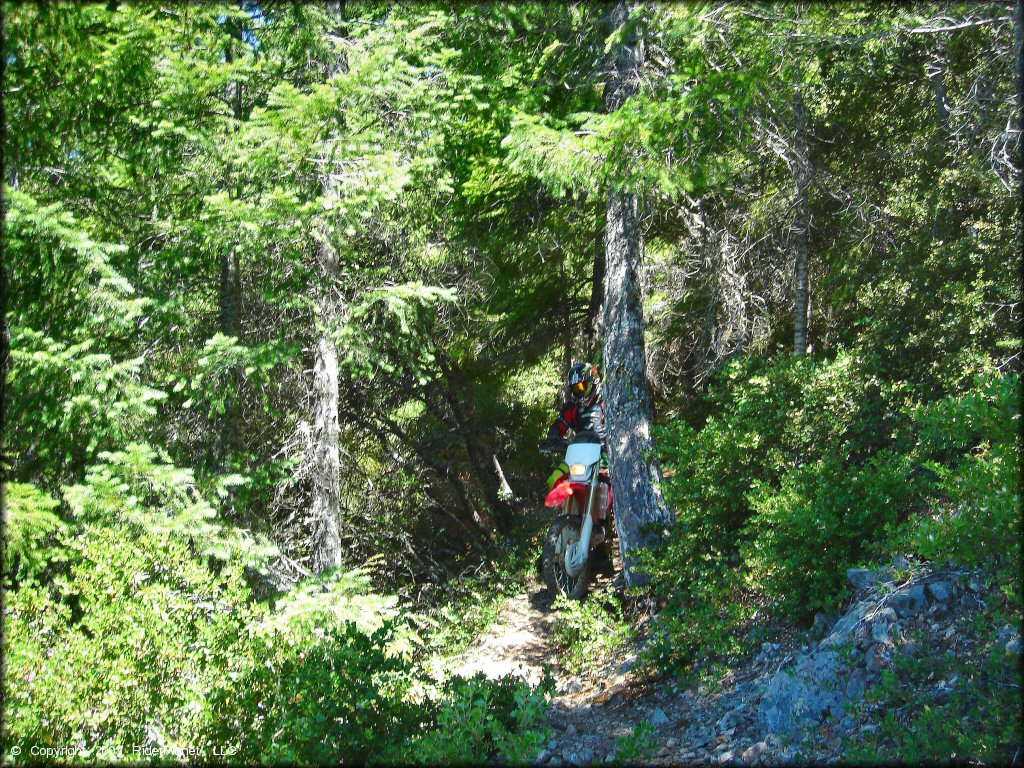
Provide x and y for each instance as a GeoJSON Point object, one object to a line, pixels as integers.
{"type": "Point", "coordinates": [564, 533]}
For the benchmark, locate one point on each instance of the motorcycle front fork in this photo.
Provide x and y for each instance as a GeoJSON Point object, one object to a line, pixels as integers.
{"type": "Point", "coordinates": [576, 556]}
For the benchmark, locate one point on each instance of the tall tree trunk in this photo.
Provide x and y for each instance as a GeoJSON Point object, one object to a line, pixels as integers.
{"type": "Point", "coordinates": [1018, 46]}
{"type": "Point", "coordinates": [5, 337]}
{"type": "Point", "coordinates": [936, 70]}
{"type": "Point", "coordinates": [230, 288]}
{"type": "Point", "coordinates": [596, 288]}
{"type": "Point", "coordinates": [802, 172]}
{"type": "Point", "coordinates": [634, 470]}
{"type": "Point", "coordinates": [325, 505]}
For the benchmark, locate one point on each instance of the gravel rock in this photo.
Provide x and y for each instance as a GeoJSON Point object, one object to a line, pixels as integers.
{"type": "Point", "coordinates": [862, 578]}
{"type": "Point", "coordinates": [846, 625]}
{"type": "Point", "coordinates": [940, 591]}
{"type": "Point", "coordinates": [909, 601]}
{"type": "Point", "coordinates": [752, 753]}
{"type": "Point", "coordinates": [658, 717]}
{"type": "Point", "coordinates": [881, 631]}
{"type": "Point", "coordinates": [970, 603]}
{"type": "Point", "coordinates": [575, 685]}
{"type": "Point", "coordinates": [856, 684]}
{"type": "Point", "coordinates": [1008, 638]}
{"type": "Point", "coordinates": [873, 660]}
{"type": "Point", "coordinates": [814, 687]}
{"type": "Point", "coordinates": [819, 628]}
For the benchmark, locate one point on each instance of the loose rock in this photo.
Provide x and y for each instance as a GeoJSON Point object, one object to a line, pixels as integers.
{"type": "Point", "coordinates": [940, 591]}
{"type": "Point", "coordinates": [804, 695]}
{"type": "Point", "coordinates": [752, 753]}
{"type": "Point", "coordinates": [862, 578]}
{"type": "Point", "coordinates": [910, 601]}
{"type": "Point", "coordinates": [819, 628]}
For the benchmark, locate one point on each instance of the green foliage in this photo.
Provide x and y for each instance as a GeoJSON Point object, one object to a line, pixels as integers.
{"type": "Point", "coordinates": [638, 745]}
{"type": "Point", "coordinates": [170, 656]}
{"type": "Point", "coordinates": [139, 489]}
{"type": "Point", "coordinates": [805, 468]}
{"type": "Point", "coordinates": [970, 722]}
{"type": "Point", "coordinates": [476, 712]}
{"type": "Point", "coordinates": [591, 631]}
{"type": "Point", "coordinates": [143, 626]}
{"type": "Point", "coordinates": [804, 534]}
{"type": "Point", "coordinates": [975, 515]}
{"type": "Point", "coordinates": [30, 530]}
{"type": "Point", "coordinates": [181, 175]}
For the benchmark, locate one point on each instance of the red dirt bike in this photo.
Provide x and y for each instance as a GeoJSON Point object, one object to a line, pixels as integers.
{"type": "Point", "coordinates": [584, 497]}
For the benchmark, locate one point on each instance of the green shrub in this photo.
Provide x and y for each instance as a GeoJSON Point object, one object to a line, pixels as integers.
{"type": "Point", "coordinates": [30, 531]}
{"type": "Point", "coordinates": [804, 535]}
{"type": "Point", "coordinates": [589, 630]}
{"type": "Point", "coordinates": [477, 717]}
{"type": "Point", "coordinates": [139, 644]}
{"type": "Point", "coordinates": [333, 694]}
{"type": "Point", "coordinates": [802, 468]}
{"type": "Point", "coordinates": [118, 652]}
{"type": "Point", "coordinates": [974, 517]}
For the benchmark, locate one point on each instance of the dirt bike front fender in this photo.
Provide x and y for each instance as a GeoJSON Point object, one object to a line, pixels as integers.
{"type": "Point", "coordinates": [557, 495]}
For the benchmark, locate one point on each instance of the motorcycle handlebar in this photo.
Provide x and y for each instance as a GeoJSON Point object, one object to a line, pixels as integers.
{"type": "Point", "coordinates": [552, 448]}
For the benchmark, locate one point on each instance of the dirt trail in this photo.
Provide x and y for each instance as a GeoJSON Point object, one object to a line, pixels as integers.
{"type": "Point", "coordinates": [592, 718]}
{"type": "Point", "coordinates": [518, 643]}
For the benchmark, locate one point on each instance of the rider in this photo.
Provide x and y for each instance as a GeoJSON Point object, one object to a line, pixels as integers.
{"type": "Point", "coordinates": [584, 410]}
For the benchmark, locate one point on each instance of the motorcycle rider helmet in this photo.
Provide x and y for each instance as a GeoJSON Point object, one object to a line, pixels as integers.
{"type": "Point", "coordinates": [583, 383]}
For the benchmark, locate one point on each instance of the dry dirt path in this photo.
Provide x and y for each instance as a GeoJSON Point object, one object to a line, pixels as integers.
{"type": "Point", "coordinates": [593, 718]}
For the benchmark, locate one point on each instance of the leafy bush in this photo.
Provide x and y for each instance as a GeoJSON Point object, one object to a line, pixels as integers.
{"type": "Point", "coordinates": [312, 697]}
{"type": "Point", "coordinates": [802, 468]}
{"type": "Point", "coordinates": [974, 518]}
{"type": "Point", "coordinates": [590, 630]}
{"type": "Point", "coordinates": [477, 712]}
{"type": "Point", "coordinates": [30, 529]}
{"type": "Point", "coordinates": [804, 534]}
{"type": "Point", "coordinates": [139, 644]}
{"type": "Point", "coordinates": [118, 652]}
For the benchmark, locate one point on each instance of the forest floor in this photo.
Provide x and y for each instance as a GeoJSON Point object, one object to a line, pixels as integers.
{"type": "Point", "coordinates": [614, 712]}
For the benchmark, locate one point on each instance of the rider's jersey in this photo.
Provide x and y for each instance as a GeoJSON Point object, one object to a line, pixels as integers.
{"type": "Point", "coordinates": [579, 418]}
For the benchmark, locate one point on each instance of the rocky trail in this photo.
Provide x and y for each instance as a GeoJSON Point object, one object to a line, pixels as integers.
{"type": "Point", "coordinates": [793, 703]}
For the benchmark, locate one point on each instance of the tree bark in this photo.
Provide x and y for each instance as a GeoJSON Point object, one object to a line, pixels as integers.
{"type": "Point", "coordinates": [639, 507]}
{"type": "Point", "coordinates": [802, 172]}
{"type": "Point", "coordinates": [325, 504]}
{"type": "Point", "coordinates": [1018, 46]}
{"type": "Point", "coordinates": [230, 288]}
{"type": "Point", "coordinates": [5, 340]}
{"type": "Point", "coordinates": [596, 289]}
{"type": "Point", "coordinates": [936, 70]}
